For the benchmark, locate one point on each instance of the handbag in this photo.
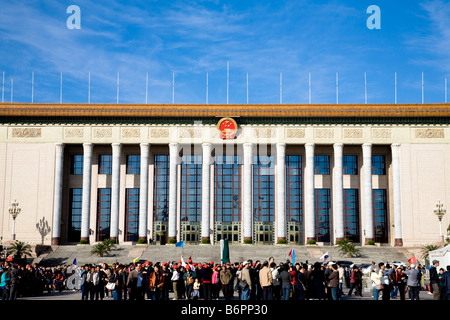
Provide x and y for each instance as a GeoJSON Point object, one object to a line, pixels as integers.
{"type": "Point", "coordinates": [242, 284]}
{"type": "Point", "coordinates": [111, 285]}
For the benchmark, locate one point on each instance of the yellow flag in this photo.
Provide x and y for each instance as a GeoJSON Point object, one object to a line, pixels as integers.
{"type": "Point", "coordinates": [136, 260]}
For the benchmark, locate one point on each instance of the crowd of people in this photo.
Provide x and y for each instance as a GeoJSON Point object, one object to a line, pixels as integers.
{"type": "Point", "coordinates": [247, 280]}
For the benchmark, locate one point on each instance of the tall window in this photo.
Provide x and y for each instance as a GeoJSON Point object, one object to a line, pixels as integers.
{"type": "Point", "coordinates": [227, 188]}
{"type": "Point", "coordinates": [322, 210]}
{"type": "Point", "coordinates": [378, 165]}
{"type": "Point", "coordinates": [103, 213]}
{"type": "Point", "coordinates": [191, 188]}
{"type": "Point", "coordinates": [351, 215]}
{"type": "Point", "coordinates": [104, 164]}
{"type": "Point", "coordinates": [350, 164]}
{"type": "Point", "coordinates": [133, 164]}
{"type": "Point", "coordinates": [380, 215]}
{"type": "Point", "coordinates": [322, 164]}
{"type": "Point", "coordinates": [76, 164]}
{"type": "Point", "coordinates": [294, 188]}
{"type": "Point", "coordinates": [161, 188]}
{"type": "Point", "coordinates": [263, 189]}
{"type": "Point", "coordinates": [75, 205]}
{"type": "Point", "coordinates": [131, 214]}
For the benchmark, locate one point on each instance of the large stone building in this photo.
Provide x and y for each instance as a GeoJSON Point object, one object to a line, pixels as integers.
{"type": "Point", "coordinates": [260, 173]}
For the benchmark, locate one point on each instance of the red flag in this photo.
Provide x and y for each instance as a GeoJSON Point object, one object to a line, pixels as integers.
{"type": "Point", "coordinates": [412, 260]}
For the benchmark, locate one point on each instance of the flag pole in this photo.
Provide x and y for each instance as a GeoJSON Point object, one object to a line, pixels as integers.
{"type": "Point", "coordinates": [281, 88]}
{"type": "Point", "coordinates": [207, 84]}
{"type": "Point", "coordinates": [146, 88]}
{"type": "Point", "coordinates": [422, 90]}
{"type": "Point", "coordinates": [228, 79]}
{"type": "Point", "coordinates": [337, 88]}
{"type": "Point", "coordinates": [117, 87]}
{"type": "Point", "coordinates": [89, 89]}
{"type": "Point", "coordinates": [60, 90]}
{"type": "Point", "coordinates": [3, 87]}
{"type": "Point", "coordinates": [32, 86]}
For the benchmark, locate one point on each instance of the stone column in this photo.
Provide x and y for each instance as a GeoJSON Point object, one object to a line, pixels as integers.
{"type": "Point", "coordinates": [174, 149]}
{"type": "Point", "coordinates": [395, 147]}
{"type": "Point", "coordinates": [115, 191]}
{"type": "Point", "coordinates": [86, 201]}
{"type": "Point", "coordinates": [247, 192]}
{"type": "Point", "coordinates": [143, 191]}
{"type": "Point", "coordinates": [281, 191]}
{"type": "Point", "coordinates": [368, 193]}
{"type": "Point", "coordinates": [338, 190]}
{"type": "Point", "coordinates": [309, 193]}
{"type": "Point", "coordinates": [57, 194]}
{"type": "Point", "coordinates": [206, 191]}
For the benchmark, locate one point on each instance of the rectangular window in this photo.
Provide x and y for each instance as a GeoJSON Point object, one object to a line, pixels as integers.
{"type": "Point", "coordinates": [378, 165]}
{"type": "Point", "coordinates": [103, 213]}
{"type": "Point", "coordinates": [105, 164]}
{"type": "Point", "coordinates": [294, 188]}
{"type": "Point", "coordinates": [380, 215]}
{"type": "Point", "coordinates": [263, 189]}
{"type": "Point", "coordinates": [322, 164]}
{"type": "Point", "coordinates": [191, 188]}
{"type": "Point", "coordinates": [350, 164]}
{"type": "Point", "coordinates": [75, 205]}
{"type": "Point", "coordinates": [227, 188]}
{"type": "Point", "coordinates": [161, 188]}
{"type": "Point", "coordinates": [132, 214]}
{"type": "Point", "coordinates": [133, 164]}
{"type": "Point", "coordinates": [76, 164]}
{"type": "Point", "coordinates": [351, 215]}
{"type": "Point", "coordinates": [322, 212]}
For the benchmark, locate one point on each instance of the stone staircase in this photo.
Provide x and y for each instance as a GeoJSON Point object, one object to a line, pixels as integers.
{"type": "Point", "coordinates": [125, 254]}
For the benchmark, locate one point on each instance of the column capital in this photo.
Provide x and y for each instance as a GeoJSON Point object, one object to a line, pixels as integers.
{"type": "Point", "coordinates": [281, 144]}
{"type": "Point", "coordinates": [206, 144]}
{"type": "Point", "coordinates": [338, 144]}
{"type": "Point", "coordinates": [367, 145]}
{"type": "Point", "coordinates": [396, 145]}
{"type": "Point", "coordinates": [144, 144]}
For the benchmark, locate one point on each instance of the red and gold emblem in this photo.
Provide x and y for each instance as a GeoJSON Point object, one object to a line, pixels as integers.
{"type": "Point", "coordinates": [227, 128]}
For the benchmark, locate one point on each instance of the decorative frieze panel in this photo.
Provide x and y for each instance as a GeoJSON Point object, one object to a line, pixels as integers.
{"type": "Point", "coordinates": [26, 132]}
{"type": "Point", "coordinates": [264, 133]}
{"type": "Point", "coordinates": [159, 133]}
{"type": "Point", "coordinates": [73, 133]}
{"type": "Point", "coordinates": [128, 133]}
{"type": "Point", "coordinates": [101, 133]}
{"type": "Point", "coordinates": [429, 133]}
{"type": "Point", "coordinates": [324, 133]}
{"type": "Point", "coordinates": [297, 133]}
{"type": "Point", "coordinates": [381, 133]}
{"type": "Point", "coordinates": [353, 133]}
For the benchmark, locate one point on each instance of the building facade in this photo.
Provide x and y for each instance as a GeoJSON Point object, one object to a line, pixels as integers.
{"type": "Point", "coordinates": [263, 174]}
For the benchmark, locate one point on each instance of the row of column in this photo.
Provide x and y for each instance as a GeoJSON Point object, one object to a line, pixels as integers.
{"type": "Point", "coordinates": [174, 149]}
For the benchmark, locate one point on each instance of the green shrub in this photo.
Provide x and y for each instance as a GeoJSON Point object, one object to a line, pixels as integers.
{"type": "Point", "coordinates": [312, 241]}
{"type": "Point", "coordinates": [248, 241]}
{"type": "Point", "coordinates": [206, 241]}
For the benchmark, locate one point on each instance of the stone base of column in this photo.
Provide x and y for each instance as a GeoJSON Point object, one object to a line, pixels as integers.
{"type": "Point", "coordinates": [206, 240]}
{"type": "Point", "coordinates": [171, 240]}
{"type": "Point", "coordinates": [142, 240]}
{"type": "Point", "coordinates": [339, 239]}
{"type": "Point", "coordinates": [308, 239]}
{"type": "Point", "coordinates": [248, 240]}
{"type": "Point", "coordinates": [55, 241]}
{"type": "Point", "coordinates": [368, 239]}
{"type": "Point", "coordinates": [84, 239]}
{"type": "Point", "coordinates": [115, 240]}
{"type": "Point", "coordinates": [398, 242]}
{"type": "Point", "coordinates": [281, 240]}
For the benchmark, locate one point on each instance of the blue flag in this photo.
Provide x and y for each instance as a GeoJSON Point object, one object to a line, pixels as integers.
{"type": "Point", "coordinates": [179, 244]}
{"type": "Point", "coordinates": [75, 261]}
{"type": "Point", "coordinates": [292, 256]}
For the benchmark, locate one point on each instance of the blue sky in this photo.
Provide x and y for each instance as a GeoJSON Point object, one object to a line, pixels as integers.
{"type": "Point", "coordinates": [191, 39]}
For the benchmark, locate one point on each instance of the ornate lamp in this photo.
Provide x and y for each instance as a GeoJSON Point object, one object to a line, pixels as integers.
{"type": "Point", "coordinates": [14, 211]}
{"type": "Point", "coordinates": [440, 211]}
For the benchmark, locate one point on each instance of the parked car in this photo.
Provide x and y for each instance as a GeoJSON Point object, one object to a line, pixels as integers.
{"type": "Point", "coordinates": [345, 263]}
{"type": "Point", "coordinates": [397, 264]}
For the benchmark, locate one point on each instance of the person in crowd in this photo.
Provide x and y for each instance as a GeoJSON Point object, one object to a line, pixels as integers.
{"type": "Point", "coordinates": [285, 281]}
{"type": "Point", "coordinates": [434, 280]}
{"type": "Point", "coordinates": [265, 280]}
{"type": "Point", "coordinates": [375, 277]}
{"type": "Point", "coordinates": [226, 280]}
{"type": "Point", "coordinates": [276, 284]}
{"type": "Point", "coordinates": [413, 281]}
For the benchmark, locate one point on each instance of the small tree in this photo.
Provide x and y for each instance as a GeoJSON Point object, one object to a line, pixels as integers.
{"type": "Point", "coordinates": [99, 249]}
{"type": "Point", "coordinates": [426, 250]}
{"type": "Point", "coordinates": [19, 249]}
{"type": "Point", "coordinates": [346, 247]}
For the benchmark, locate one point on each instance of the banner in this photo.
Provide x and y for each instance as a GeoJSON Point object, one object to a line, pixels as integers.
{"type": "Point", "coordinates": [224, 251]}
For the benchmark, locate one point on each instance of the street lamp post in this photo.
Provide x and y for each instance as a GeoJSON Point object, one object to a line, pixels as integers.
{"type": "Point", "coordinates": [440, 211]}
{"type": "Point", "coordinates": [14, 211]}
